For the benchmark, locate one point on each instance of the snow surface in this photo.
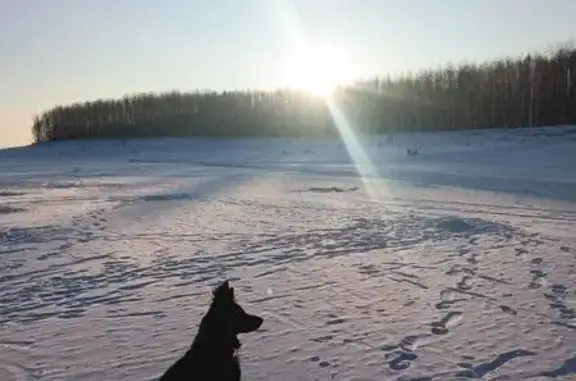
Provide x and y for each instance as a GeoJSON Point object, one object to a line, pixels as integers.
{"type": "Point", "coordinates": [461, 268]}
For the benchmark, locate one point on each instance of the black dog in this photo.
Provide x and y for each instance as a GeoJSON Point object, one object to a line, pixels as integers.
{"type": "Point", "coordinates": [212, 355]}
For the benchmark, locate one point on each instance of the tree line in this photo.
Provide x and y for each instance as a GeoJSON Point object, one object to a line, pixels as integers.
{"type": "Point", "coordinates": [531, 90]}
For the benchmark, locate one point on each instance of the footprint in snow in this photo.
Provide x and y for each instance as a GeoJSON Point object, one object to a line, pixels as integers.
{"type": "Point", "coordinates": [400, 360]}
{"type": "Point", "coordinates": [443, 326]}
{"type": "Point", "coordinates": [508, 310]}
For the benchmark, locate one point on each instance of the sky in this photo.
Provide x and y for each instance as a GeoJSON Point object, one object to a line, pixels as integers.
{"type": "Point", "coordinates": [63, 51]}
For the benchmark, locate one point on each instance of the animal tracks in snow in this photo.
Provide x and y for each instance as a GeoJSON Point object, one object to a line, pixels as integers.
{"type": "Point", "coordinates": [442, 327]}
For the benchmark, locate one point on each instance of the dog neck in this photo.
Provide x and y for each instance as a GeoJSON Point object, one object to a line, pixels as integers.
{"type": "Point", "coordinates": [213, 340]}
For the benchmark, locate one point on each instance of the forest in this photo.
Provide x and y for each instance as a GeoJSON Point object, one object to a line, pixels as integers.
{"type": "Point", "coordinates": [526, 91]}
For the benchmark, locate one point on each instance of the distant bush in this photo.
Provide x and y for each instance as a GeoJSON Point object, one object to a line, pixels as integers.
{"type": "Point", "coordinates": [412, 152]}
{"type": "Point", "coordinates": [533, 90]}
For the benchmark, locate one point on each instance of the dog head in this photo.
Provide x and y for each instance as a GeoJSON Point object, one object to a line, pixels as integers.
{"type": "Point", "coordinates": [230, 314]}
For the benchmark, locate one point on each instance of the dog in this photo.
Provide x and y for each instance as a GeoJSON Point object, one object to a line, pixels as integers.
{"type": "Point", "coordinates": [214, 351]}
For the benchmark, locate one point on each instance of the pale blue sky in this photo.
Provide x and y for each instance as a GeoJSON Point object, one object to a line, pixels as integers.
{"type": "Point", "coordinates": [60, 51]}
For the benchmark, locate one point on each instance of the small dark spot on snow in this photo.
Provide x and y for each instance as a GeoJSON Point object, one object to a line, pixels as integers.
{"type": "Point", "coordinates": [11, 193]}
{"type": "Point", "coordinates": [7, 209]}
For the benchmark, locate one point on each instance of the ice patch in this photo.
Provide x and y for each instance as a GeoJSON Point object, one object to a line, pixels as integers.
{"type": "Point", "coordinates": [471, 226]}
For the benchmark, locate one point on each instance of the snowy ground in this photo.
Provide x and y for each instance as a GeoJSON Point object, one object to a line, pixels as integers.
{"type": "Point", "coordinates": [461, 268]}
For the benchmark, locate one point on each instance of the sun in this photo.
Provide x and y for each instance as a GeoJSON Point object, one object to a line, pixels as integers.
{"type": "Point", "coordinates": [317, 72]}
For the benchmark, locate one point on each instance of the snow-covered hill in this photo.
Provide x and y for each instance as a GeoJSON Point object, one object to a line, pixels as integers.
{"type": "Point", "coordinates": [454, 264]}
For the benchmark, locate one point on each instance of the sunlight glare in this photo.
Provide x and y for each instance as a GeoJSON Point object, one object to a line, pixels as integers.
{"type": "Point", "coordinates": [317, 72]}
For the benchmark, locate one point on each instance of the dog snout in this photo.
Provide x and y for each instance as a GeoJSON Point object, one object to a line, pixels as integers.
{"type": "Point", "coordinates": [250, 324]}
{"type": "Point", "coordinates": [258, 322]}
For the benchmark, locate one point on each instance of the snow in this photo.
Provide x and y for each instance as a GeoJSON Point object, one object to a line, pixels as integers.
{"type": "Point", "coordinates": [460, 268]}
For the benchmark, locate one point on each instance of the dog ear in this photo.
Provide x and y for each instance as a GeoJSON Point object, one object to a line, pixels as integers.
{"type": "Point", "coordinates": [232, 292]}
{"type": "Point", "coordinates": [222, 289]}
